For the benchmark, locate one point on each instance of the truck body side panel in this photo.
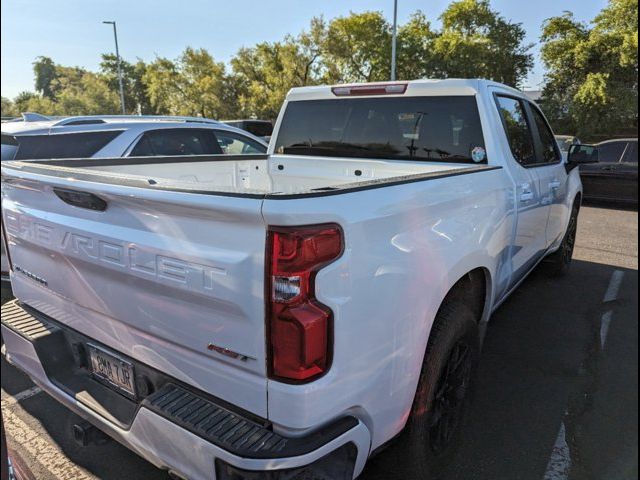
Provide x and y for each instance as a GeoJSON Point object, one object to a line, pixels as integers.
{"type": "Point", "coordinates": [406, 246]}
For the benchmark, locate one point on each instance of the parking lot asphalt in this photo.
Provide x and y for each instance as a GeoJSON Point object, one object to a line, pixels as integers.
{"type": "Point", "coordinates": [557, 390]}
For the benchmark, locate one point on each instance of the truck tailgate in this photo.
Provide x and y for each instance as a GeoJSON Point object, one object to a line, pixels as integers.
{"type": "Point", "coordinates": [173, 280]}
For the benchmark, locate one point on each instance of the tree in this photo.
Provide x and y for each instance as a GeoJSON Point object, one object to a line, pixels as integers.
{"type": "Point", "coordinates": [8, 108]}
{"type": "Point", "coordinates": [477, 42]}
{"type": "Point", "coordinates": [45, 74]}
{"type": "Point", "coordinates": [90, 95]}
{"type": "Point", "coordinates": [474, 42]}
{"type": "Point", "coordinates": [359, 47]}
{"type": "Point", "coordinates": [265, 73]}
{"type": "Point", "coordinates": [136, 98]}
{"type": "Point", "coordinates": [193, 84]}
{"type": "Point", "coordinates": [415, 48]}
{"type": "Point", "coordinates": [592, 82]}
{"type": "Point", "coordinates": [32, 102]}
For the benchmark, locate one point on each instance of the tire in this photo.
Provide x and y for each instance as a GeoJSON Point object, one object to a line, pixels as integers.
{"type": "Point", "coordinates": [445, 388]}
{"type": "Point", "coordinates": [559, 262]}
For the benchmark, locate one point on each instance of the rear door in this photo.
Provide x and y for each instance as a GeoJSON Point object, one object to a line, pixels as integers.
{"type": "Point", "coordinates": [600, 180]}
{"type": "Point", "coordinates": [173, 280]}
{"type": "Point", "coordinates": [551, 175]}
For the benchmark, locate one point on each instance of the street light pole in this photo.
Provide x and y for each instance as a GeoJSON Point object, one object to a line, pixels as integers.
{"type": "Point", "coordinates": [394, 40]}
{"type": "Point", "coordinates": [115, 36]}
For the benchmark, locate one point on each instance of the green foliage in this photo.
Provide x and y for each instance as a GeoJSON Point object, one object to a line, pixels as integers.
{"type": "Point", "coordinates": [45, 73]}
{"type": "Point", "coordinates": [262, 75]}
{"type": "Point", "coordinates": [8, 108]}
{"type": "Point", "coordinates": [31, 102]}
{"type": "Point", "coordinates": [193, 84]}
{"type": "Point", "coordinates": [474, 42]}
{"type": "Point", "coordinates": [592, 81]}
{"type": "Point", "coordinates": [359, 47]}
{"type": "Point", "coordinates": [89, 94]}
{"type": "Point", "coordinates": [136, 99]}
{"type": "Point", "coordinates": [416, 58]}
{"type": "Point", "coordinates": [477, 42]}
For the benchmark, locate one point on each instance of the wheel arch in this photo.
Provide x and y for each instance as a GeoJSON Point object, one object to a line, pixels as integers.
{"type": "Point", "coordinates": [473, 288]}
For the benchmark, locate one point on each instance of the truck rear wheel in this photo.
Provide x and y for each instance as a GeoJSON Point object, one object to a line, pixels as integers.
{"type": "Point", "coordinates": [444, 391]}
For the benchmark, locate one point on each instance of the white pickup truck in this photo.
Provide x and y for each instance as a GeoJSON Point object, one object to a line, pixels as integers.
{"type": "Point", "coordinates": [289, 315]}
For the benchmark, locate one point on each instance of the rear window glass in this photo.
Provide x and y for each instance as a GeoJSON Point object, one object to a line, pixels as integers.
{"type": "Point", "coordinates": [443, 129]}
{"type": "Point", "coordinates": [68, 145]}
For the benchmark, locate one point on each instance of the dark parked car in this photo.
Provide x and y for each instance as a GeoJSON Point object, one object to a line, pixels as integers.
{"type": "Point", "coordinates": [615, 176]}
{"type": "Point", "coordinates": [260, 128]}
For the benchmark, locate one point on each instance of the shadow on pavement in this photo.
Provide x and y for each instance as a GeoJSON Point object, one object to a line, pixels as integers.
{"type": "Point", "coordinates": [610, 205]}
{"type": "Point", "coordinates": [540, 367]}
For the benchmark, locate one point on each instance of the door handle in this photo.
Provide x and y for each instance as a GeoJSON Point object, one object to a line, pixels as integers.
{"type": "Point", "coordinates": [526, 195]}
{"type": "Point", "coordinates": [554, 185]}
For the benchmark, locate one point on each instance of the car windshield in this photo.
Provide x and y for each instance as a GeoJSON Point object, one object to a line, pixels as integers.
{"type": "Point", "coordinates": [445, 128]}
{"type": "Point", "coordinates": [565, 143]}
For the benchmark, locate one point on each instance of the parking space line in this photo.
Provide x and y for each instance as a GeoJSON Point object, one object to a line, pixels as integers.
{"type": "Point", "coordinates": [604, 327]}
{"type": "Point", "coordinates": [614, 286]}
{"type": "Point", "coordinates": [560, 462]}
{"type": "Point", "coordinates": [18, 397]}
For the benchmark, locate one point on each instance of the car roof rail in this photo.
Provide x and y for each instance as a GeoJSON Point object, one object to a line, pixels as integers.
{"type": "Point", "coordinates": [98, 119]}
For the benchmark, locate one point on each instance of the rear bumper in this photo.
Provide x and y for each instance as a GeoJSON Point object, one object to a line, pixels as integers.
{"type": "Point", "coordinates": [184, 431]}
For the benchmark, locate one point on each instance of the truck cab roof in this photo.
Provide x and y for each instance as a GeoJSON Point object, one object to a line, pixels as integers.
{"type": "Point", "coordinates": [423, 87]}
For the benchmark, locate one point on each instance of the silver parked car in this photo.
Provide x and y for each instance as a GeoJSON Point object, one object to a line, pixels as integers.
{"type": "Point", "coordinates": [36, 136]}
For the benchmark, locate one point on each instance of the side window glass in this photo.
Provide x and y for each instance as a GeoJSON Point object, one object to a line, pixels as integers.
{"type": "Point", "coordinates": [142, 148]}
{"type": "Point", "coordinates": [611, 152]}
{"type": "Point", "coordinates": [517, 128]}
{"type": "Point", "coordinates": [234, 144]}
{"type": "Point", "coordinates": [547, 140]}
{"type": "Point", "coordinates": [631, 155]}
{"type": "Point", "coordinates": [64, 145]}
{"type": "Point", "coordinates": [177, 142]}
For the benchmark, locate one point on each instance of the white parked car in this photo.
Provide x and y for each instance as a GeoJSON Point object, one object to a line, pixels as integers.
{"type": "Point", "coordinates": [38, 137]}
{"type": "Point", "coordinates": [296, 312]}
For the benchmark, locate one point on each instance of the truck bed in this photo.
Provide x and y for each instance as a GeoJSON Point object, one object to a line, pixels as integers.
{"type": "Point", "coordinates": [276, 176]}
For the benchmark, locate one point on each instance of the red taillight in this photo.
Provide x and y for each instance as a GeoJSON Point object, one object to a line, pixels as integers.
{"type": "Point", "coordinates": [376, 89]}
{"type": "Point", "coordinates": [300, 327]}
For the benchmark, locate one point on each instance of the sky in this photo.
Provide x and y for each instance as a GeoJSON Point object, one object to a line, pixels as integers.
{"type": "Point", "coordinates": [71, 31]}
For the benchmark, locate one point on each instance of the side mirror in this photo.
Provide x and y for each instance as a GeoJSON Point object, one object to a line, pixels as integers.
{"type": "Point", "coordinates": [582, 154]}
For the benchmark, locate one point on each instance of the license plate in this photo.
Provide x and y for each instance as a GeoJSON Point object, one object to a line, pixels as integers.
{"type": "Point", "coordinates": [112, 370]}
